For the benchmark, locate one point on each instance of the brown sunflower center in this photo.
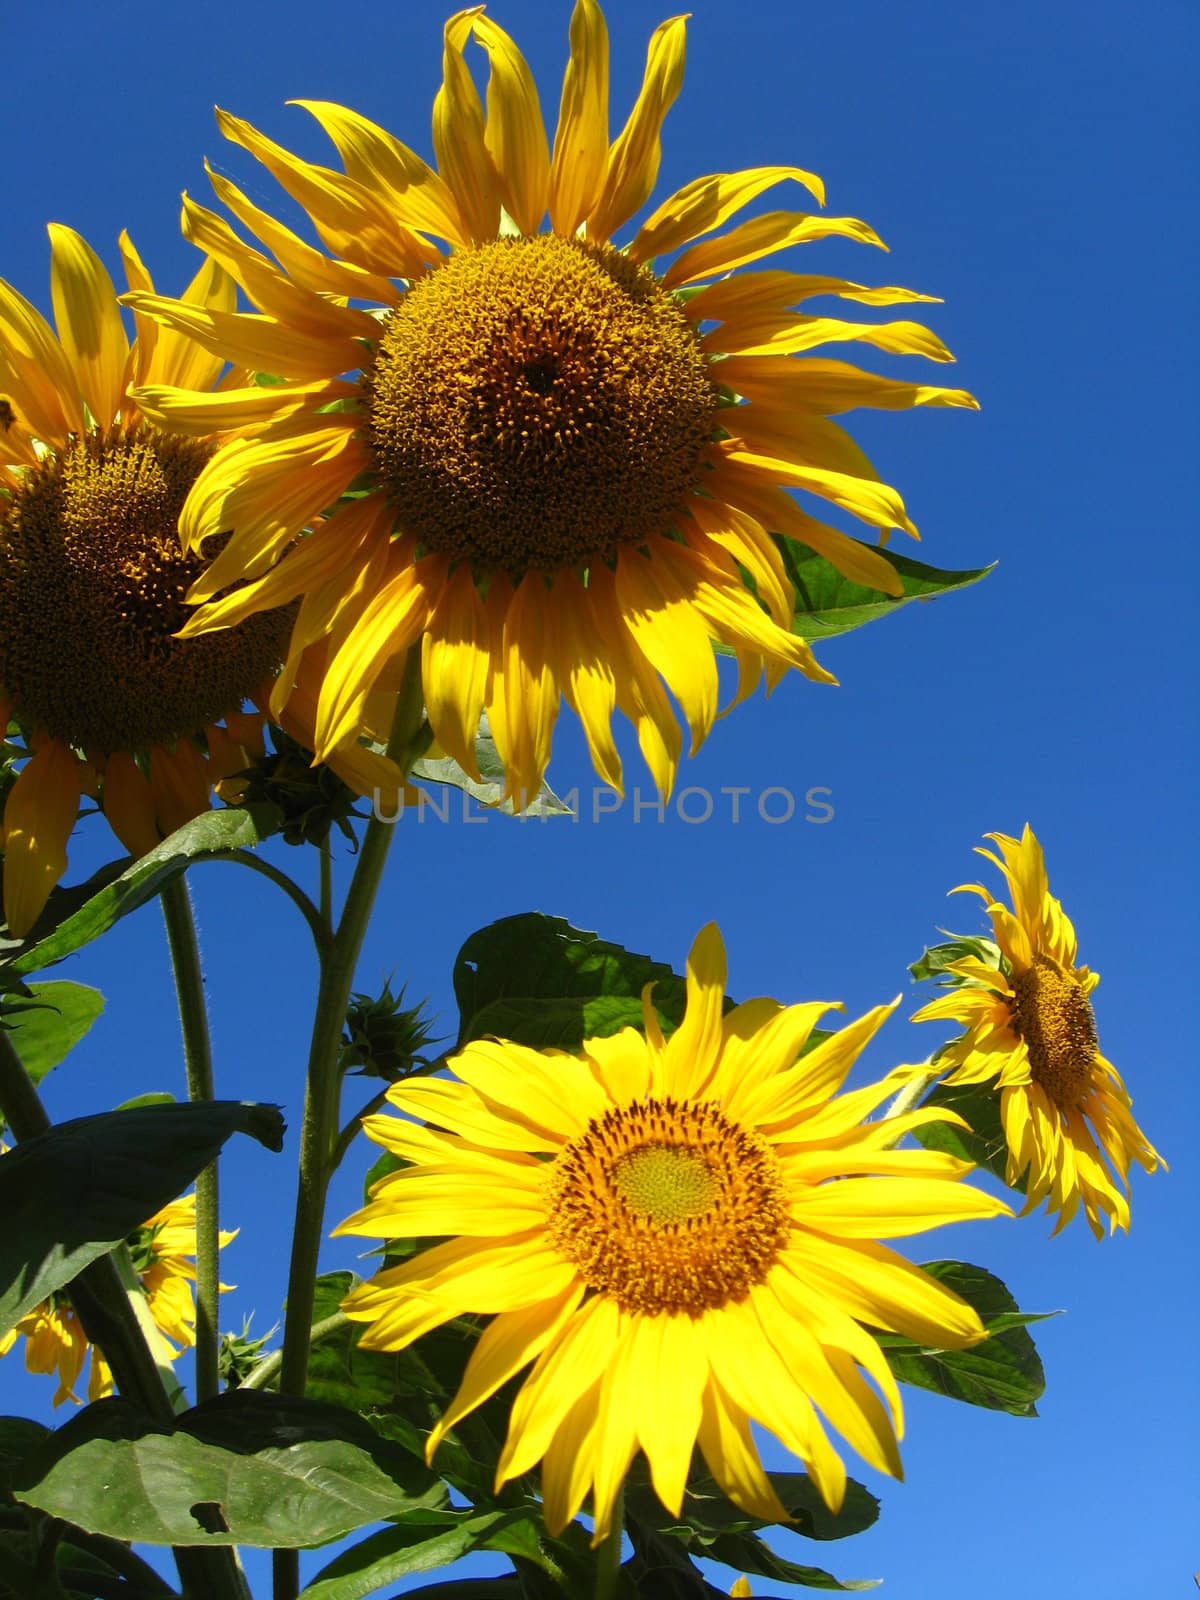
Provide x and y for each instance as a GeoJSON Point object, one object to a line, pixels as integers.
{"type": "Point", "coordinates": [1054, 1017]}
{"type": "Point", "coordinates": [668, 1206]}
{"type": "Point", "coordinates": [535, 403]}
{"type": "Point", "coordinates": [92, 585]}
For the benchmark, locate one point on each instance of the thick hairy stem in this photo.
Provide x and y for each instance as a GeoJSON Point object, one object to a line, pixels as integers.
{"type": "Point", "coordinates": [197, 1056]}
{"type": "Point", "coordinates": [319, 1129]}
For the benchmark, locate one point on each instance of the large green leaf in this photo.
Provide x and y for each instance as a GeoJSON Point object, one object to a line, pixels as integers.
{"type": "Point", "coordinates": [418, 1541]}
{"type": "Point", "coordinates": [982, 1141]}
{"type": "Point", "coordinates": [245, 1468]}
{"type": "Point", "coordinates": [1003, 1373]}
{"type": "Point", "coordinates": [71, 1194]}
{"type": "Point", "coordinates": [46, 1024]}
{"type": "Point", "coordinates": [707, 1511]}
{"type": "Point", "coordinates": [446, 772]}
{"type": "Point", "coordinates": [537, 980]}
{"type": "Point", "coordinates": [828, 603]}
{"type": "Point", "coordinates": [74, 917]}
{"type": "Point", "coordinates": [19, 1437]}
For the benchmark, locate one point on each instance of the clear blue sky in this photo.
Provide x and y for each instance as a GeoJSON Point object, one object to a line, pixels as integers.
{"type": "Point", "coordinates": [1028, 164]}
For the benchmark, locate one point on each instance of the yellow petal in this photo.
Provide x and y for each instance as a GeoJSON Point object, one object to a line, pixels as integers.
{"type": "Point", "coordinates": [310, 268]}
{"type": "Point", "coordinates": [874, 503]}
{"type": "Point", "coordinates": [632, 167]}
{"type": "Point", "coordinates": [729, 1450]}
{"type": "Point", "coordinates": [89, 322]}
{"type": "Point", "coordinates": [177, 359]}
{"type": "Point", "coordinates": [531, 698]}
{"type": "Point", "coordinates": [129, 804]}
{"type": "Point", "coordinates": [178, 784]}
{"type": "Point", "coordinates": [692, 1050]}
{"type": "Point", "coordinates": [380, 163]}
{"type": "Point", "coordinates": [584, 669]}
{"type": "Point", "coordinates": [759, 335]}
{"type": "Point", "coordinates": [351, 220]}
{"type": "Point", "coordinates": [454, 664]}
{"type": "Point", "coordinates": [705, 203]}
{"type": "Point", "coordinates": [581, 142]}
{"type": "Point", "coordinates": [665, 628]}
{"type": "Point", "coordinates": [37, 376]}
{"type": "Point", "coordinates": [458, 136]}
{"type": "Point", "coordinates": [516, 136]}
{"type": "Point", "coordinates": [830, 387]}
{"type": "Point", "coordinates": [39, 814]}
{"type": "Point", "coordinates": [762, 236]}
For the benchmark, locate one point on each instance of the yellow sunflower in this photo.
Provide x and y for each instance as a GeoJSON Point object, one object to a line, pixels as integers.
{"type": "Point", "coordinates": [92, 578]}
{"type": "Point", "coordinates": [565, 463]}
{"type": "Point", "coordinates": [679, 1235]}
{"type": "Point", "coordinates": [1067, 1116]}
{"type": "Point", "coordinates": [162, 1250]}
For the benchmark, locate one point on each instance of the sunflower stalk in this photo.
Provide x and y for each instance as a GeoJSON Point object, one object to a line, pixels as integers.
{"type": "Point", "coordinates": [110, 1322]}
{"type": "Point", "coordinates": [319, 1128]}
{"type": "Point", "coordinates": [608, 1556]}
{"type": "Point", "coordinates": [197, 1055]}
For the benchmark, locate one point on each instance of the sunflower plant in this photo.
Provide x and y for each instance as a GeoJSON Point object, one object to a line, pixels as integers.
{"type": "Point", "coordinates": [349, 516]}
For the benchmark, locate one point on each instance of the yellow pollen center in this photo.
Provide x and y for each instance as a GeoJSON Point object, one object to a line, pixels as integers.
{"type": "Point", "coordinates": [536, 403]}
{"type": "Point", "coordinates": [666, 1183]}
{"type": "Point", "coordinates": [668, 1206]}
{"type": "Point", "coordinates": [92, 585]}
{"type": "Point", "coordinates": [1054, 1017]}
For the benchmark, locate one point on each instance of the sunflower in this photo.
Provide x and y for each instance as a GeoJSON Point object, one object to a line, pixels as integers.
{"type": "Point", "coordinates": [679, 1235]}
{"type": "Point", "coordinates": [1031, 1031]}
{"type": "Point", "coordinates": [162, 1250]}
{"type": "Point", "coordinates": [565, 464]}
{"type": "Point", "coordinates": [92, 578]}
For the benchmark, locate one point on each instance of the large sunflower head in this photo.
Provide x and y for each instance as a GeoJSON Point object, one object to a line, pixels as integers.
{"type": "Point", "coordinates": [679, 1235]}
{"type": "Point", "coordinates": [568, 455]}
{"type": "Point", "coordinates": [93, 577]}
{"type": "Point", "coordinates": [162, 1252]}
{"type": "Point", "coordinates": [1031, 1032]}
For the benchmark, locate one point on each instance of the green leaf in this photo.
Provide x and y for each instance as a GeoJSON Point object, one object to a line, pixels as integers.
{"type": "Point", "coordinates": [1003, 1373]}
{"type": "Point", "coordinates": [73, 918]}
{"type": "Point", "coordinates": [749, 1554]}
{"type": "Point", "coordinates": [982, 1141]}
{"type": "Point", "coordinates": [72, 1194]}
{"type": "Point", "coordinates": [419, 1541]}
{"type": "Point", "coordinates": [539, 981]}
{"type": "Point", "coordinates": [828, 603]}
{"type": "Point", "coordinates": [19, 1437]}
{"type": "Point", "coordinates": [936, 958]}
{"type": "Point", "coordinates": [708, 1511]}
{"type": "Point", "coordinates": [447, 772]}
{"type": "Point", "coordinates": [47, 1024]}
{"type": "Point", "coordinates": [245, 1468]}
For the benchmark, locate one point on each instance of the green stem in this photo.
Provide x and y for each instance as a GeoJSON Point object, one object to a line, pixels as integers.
{"type": "Point", "coordinates": [266, 1369]}
{"type": "Point", "coordinates": [608, 1556]}
{"type": "Point", "coordinates": [911, 1094]}
{"type": "Point", "coordinates": [319, 1127]}
{"type": "Point", "coordinates": [350, 1132]}
{"type": "Point", "coordinates": [107, 1316]}
{"type": "Point", "coordinates": [197, 1056]}
{"type": "Point", "coordinates": [325, 902]}
{"type": "Point", "coordinates": [318, 923]}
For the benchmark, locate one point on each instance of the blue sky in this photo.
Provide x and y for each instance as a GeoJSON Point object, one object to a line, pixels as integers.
{"type": "Point", "coordinates": [1028, 164]}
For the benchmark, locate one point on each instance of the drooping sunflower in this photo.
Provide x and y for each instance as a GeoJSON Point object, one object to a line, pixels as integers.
{"type": "Point", "coordinates": [679, 1235]}
{"type": "Point", "coordinates": [566, 463]}
{"type": "Point", "coordinates": [1031, 1031]}
{"type": "Point", "coordinates": [93, 578]}
{"type": "Point", "coordinates": [162, 1250]}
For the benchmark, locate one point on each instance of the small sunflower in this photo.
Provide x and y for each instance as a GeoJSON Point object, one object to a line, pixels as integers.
{"type": "Point", "coordinates": [162, 1251]}
{"type": "Point", "coordinates": [1031, 1031]}
{"type": "Point", "coordinates": [679, 1235]}
{"type": "Point", "coordinates": [565, 463]}
{"type": "Point", "coordinates": [93, 579]}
